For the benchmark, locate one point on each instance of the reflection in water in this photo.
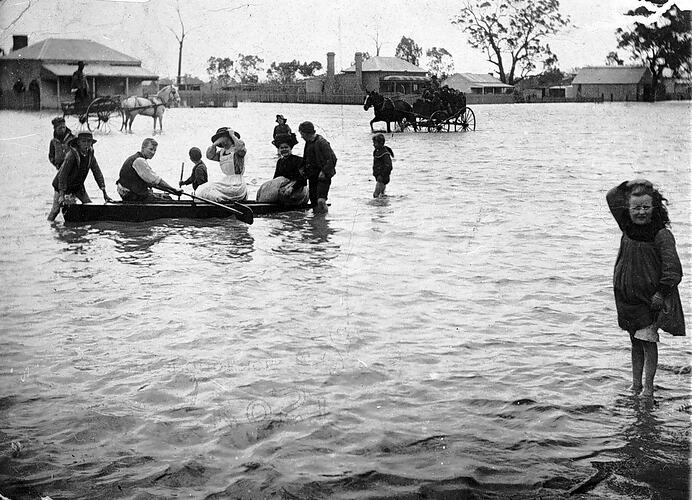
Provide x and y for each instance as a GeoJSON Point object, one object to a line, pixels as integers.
{"type": "Point", "coordinates": [648, 462]}
{"type": "Point", "coordinates": [74, 236]}
{"type": "Point", "coordinates": [310, 237]}
{"type": "Point", "coordinates": [133, 242]}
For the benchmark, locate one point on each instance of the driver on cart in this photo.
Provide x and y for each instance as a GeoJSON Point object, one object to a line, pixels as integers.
{"type": "Point", "coordinates": [80, 88]}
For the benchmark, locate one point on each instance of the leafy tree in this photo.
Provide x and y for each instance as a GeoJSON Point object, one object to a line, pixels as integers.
{"type": "Point", "coordinates": [246, 68]}
{"type": "Point", "coordinates": [661, 44]}
{"type": "Point", "coordinates": [408, 50]}
{"type": "Point", "coordinates": [440, 62]}
{"type": "Point", "coordinates": [512, 33]}
{"type": "Point", "coordinates": [308, 69]}
{"type": "Point", "coordinates": [283, 72]}
{"type": "Point", "coordinates": [219, 69]}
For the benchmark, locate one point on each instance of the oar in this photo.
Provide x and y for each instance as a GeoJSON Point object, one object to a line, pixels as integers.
{"type": "Point", "coordinates": [182, 168]}
{"type": "Point", "coordinates": [242, 212]}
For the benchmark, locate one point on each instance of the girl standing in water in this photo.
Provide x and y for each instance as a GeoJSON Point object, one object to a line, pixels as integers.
{"type": "Point", "coordinates": [647, 272]}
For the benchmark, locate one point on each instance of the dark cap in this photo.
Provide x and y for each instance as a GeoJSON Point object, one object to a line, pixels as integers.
{"type": "Point", "coordinates": [82, 135]}
{"type": "Point", "coordinates": [58, 120]}
{"type": "Point", "coordinates": [281, 117]}
{"type": "Point", "coordinates": [306, 127]}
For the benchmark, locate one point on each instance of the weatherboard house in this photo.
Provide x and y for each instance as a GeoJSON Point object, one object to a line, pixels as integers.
{"type": "Point", "coordinates": [613, 83]}
{"type": "Point", "coordinates": [39, 76]}
{"type": "Point", "coordinates": [383, 74]}
{"type": "Point", "coordinates": [477, 83]}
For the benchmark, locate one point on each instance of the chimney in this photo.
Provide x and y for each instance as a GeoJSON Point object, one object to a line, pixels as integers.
{"type": "Point", "coordinates": [329, 84]}
{"type": "Point", "coordinates": [19, 42]}
{"type": "Point", "coordinates": [359, 69]}
{"type": "Point", "coordinates": [330, 64]}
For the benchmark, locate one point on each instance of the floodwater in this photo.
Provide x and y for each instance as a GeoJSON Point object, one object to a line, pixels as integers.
{"type": "Point", "coordinates": [456, 339]}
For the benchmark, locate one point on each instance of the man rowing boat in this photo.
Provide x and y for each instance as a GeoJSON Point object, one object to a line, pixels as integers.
{"type": "Point", "coordinates": [137, 177]}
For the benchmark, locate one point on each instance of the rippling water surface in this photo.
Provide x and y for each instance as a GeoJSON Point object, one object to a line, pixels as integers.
{"type": "Point", "coordinates": [456, 339]}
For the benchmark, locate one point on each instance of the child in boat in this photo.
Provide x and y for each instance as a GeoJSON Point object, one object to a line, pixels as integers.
{"type": "Point", "coordinates": [646, 276]}
{"type": "Point", "coordinates": [381, 164]}
{"type": "Point", "coordinates": [199, 171]}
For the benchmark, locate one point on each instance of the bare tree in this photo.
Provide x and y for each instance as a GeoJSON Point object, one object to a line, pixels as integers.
{"type": "Point", "coordinates": [376, 38]}
{"type": "Point", "coordinates": [181, 40]}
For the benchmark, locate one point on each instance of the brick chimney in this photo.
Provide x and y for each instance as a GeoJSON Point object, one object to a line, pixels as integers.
{"type": "Point", "coordinates": [359, 69]}
{"type": "Point", "coordinates": [329, 83]}
{"type": "Point", "coordinates": [19, 42]}
{"type": "Point", "coordinates": [330, 64]}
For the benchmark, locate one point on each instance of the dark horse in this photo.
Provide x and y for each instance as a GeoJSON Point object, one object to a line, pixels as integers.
{"type": "Point", "coordinates": [387, 110]}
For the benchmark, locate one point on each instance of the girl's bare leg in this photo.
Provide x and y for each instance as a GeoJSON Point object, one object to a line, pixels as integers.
{"type": "Point", "coordinates": [637, 364]}
{"type": "Point", "coordinates": [650, 364]}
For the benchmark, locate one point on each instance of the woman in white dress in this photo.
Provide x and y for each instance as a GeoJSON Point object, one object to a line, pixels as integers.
{"type": "Point", "coordinates": [229, 151]}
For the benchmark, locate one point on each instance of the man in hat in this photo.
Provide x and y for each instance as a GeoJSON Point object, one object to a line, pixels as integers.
{"type": "Point", "coordinates": [319, 166]}
{"type": "Point", "coordinates": [59, 144]}
{"type": "Point", "coordinates": [80, 87]}
{"type": "Point", "coordinates": [69, 181]}
{"type": "Point", "coordinates": [137, 178]}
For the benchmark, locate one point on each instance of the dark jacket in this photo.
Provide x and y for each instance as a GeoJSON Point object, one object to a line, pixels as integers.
{"type": "Point", "coordinates": [198, 175]}
{"type": "Point", "coordinates": [282, 129]}
{"type": "Point", "coordinates": [319, 157]}
{"type": "Point", "coordinates": [382, 162]}
{"type": "Point", "coordinates": [59, 147]}
{"type": "Point", "coordinates": [289, 167]}
{"type": "Point", "coordinates": [73, 172]}
{"type": "Point", "coordinates": [647, 263]}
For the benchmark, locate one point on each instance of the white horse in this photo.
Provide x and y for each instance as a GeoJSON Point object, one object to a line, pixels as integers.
{"type": "Point", "coordinates": [153, 106]}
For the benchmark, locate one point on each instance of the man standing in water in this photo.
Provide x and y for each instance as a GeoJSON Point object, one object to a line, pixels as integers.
{"type": "Point", "coordinates": [320, 166]}
{"type": "Point", "coordinates": [69, 181]}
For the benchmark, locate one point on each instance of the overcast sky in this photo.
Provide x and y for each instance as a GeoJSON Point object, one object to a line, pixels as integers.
{"type": "Point", "coordinates": [285, 30]}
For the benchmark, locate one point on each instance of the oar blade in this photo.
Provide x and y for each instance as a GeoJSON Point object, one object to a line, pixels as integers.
{"type": "Point", "coordinates": [246, 215]}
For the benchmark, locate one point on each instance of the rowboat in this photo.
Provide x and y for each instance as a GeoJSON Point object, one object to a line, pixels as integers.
{"type": "Point", "coordinates": [136, 212]}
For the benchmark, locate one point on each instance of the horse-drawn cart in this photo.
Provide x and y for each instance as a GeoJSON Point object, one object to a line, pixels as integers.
{"type": "Point", "coordinates": [103, 114]}
{"type": "Point", "coordinates": [440, 111]}
{"type": "Point", "coordinates": [444, 110]}
{"type": "Point", "coordinates": [461, 120]}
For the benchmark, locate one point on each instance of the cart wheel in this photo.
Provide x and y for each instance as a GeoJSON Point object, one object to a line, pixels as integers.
{"type": "Point", "coordinates": [466, 121]}
{"type": "Point", "coordinates": [104, 115]}
{"type": "Point", "coordinates": [437, 121]}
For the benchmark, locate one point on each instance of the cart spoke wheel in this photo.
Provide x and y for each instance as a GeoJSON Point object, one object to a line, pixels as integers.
{"type": "Point", "coordinates": [437, 121]}
{"type": "Point", "coordinates": [104, 115]}
{"type": "Point", "coordinates": [466, 121]}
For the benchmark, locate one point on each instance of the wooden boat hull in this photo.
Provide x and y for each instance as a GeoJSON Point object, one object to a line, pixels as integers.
{"type": "Point", "coordinates": [137, 212]}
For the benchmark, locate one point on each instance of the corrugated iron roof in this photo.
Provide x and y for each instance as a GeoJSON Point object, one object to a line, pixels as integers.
{"type": "Point", "coordinates": [103, 70]}
{"type": "Point", "coordinates": [388, 64]}
{"type": "Point", "coordinates": [70, 51]}
{"type": "Point", "coordinates": [612, 75]}
{"type": "Point", "coordinates": [475, 79]}
{"type": "Point", "coordinates": [406, 78]}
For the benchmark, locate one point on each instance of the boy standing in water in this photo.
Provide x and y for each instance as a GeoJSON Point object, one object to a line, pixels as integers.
{"type": "Point", "coordinates": [381, 164]}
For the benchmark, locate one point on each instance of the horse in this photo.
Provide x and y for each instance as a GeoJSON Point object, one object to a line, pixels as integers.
{"type": "Point", "coordinates": [387, 110]}
{"type": "Point", "coordinates": [153, 106]}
